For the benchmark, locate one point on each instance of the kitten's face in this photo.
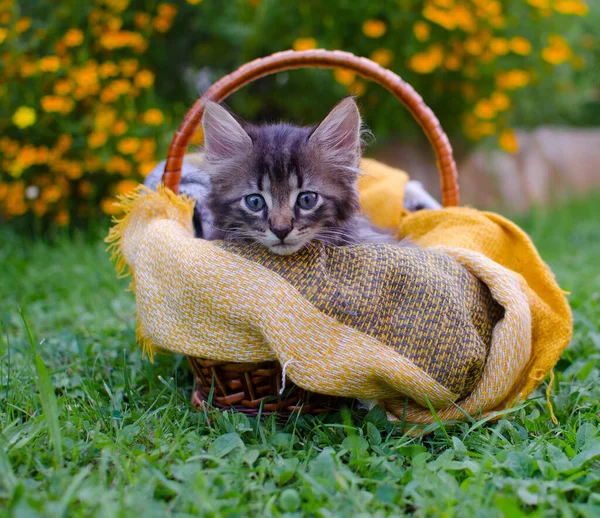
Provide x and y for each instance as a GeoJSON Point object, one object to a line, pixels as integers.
{"type": "Point", "coordinates": [283, 186]}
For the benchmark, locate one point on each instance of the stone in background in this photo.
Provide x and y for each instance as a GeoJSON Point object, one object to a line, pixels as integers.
{"type": "Point", "coordinates": [552, 164]}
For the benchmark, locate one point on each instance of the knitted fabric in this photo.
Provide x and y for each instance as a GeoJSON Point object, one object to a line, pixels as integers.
{"type": "Point", "coordinates": [472, 317]}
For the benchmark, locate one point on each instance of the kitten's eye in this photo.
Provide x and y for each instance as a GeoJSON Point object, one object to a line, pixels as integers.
{"type": "Point", "coordinates": [255, 202]}
{"type": "Point", "coordinates": [307, 200]}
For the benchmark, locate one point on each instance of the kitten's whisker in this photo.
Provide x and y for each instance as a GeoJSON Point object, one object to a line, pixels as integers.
{"type": "Point", "coordinates": [338, 235]}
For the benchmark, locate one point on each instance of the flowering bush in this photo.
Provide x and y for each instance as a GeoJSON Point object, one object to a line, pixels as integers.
{"type": "Point", "coordinates": [92, 90]}
{"type": "Point", "coordinates": [471, 60]}
{"type": "Point", "coordinates": [82, 121]}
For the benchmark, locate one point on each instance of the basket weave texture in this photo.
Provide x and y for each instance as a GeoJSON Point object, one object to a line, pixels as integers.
{"type": "Point", "coordinates": [175, 274]}
{"type": "Point", "coordinates": [251, 71]}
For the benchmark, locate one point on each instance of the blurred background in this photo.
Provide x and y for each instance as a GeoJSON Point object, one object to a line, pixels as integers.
{"type": "Point", "coordinates": [92, 91]}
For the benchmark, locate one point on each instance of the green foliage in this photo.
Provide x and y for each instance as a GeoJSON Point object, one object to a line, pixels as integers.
{"type": "Point", "coordinates": [80, 119]}
{"type": "Point", "coordinates": [132, 443]}
{"type": "Point", "coordinates": [92, 91]}
{"type": "Point", "coordinates": [456, 54]}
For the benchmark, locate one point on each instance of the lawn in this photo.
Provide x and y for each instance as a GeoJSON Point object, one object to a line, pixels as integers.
{"type": "Point", "coordinates": [89, 428]}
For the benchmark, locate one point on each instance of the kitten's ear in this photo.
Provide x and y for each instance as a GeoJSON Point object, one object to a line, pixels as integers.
{"type": "Point", "coordinates": [224, 137]}
{"type": "Point", "coordinates": [338, 135]}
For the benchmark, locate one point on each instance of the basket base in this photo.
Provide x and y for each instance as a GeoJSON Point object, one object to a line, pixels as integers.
{"type": "Point", "coordinates": [253, 389]}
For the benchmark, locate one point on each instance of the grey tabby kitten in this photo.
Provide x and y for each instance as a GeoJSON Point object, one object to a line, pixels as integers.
{"type": "Point", "coordinates": [285, 186]}
{"type": "Point", "coordinates": [280, 185]}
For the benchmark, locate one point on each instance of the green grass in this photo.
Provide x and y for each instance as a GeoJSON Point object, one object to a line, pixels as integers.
{"type": "Point", "coordinates": [89, 428]}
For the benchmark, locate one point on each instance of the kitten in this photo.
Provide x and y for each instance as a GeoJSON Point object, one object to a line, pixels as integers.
{"type": "Point", "coordinates": [285, 186]}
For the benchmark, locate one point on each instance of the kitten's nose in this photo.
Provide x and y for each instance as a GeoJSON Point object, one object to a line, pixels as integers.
{"type": "Point", "coordinates": [282, 232]}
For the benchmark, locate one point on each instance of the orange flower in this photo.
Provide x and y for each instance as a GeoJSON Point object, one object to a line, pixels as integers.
{"type": "Point", "coordinates": [62, 87]}
{"type": "Point", "coordinates": [51, 194]}
{"type": "Point", "coordinates": [28, 68]}
{"type": "Point", "coordinates": [499, 46]}
{"type": "Point", "coordinates": [108, 69]}
{"type": "Point", "coordinates": [153, 117]}
{"type": "Point", "coordinates": [121, 86]}
{"type": "Point", "coordinates": [108, 95]}
{"type": "Point", "coordinates": [52, 103]}
{"type": "Point", "coordinates": [105, 118]}
{"type": "Point", "coordinates": [498, 22]}
{"type": "Point", "coordinates": [110, 206]}
{"type": "Point", "coordinates": [49, 63]}
{"type": "Point", "coordinates": [85, 188]}
{"type": "Point", "coordinates": [9, 147]}
{"type": "Point", "coordinates": [128, 146]}
{"type": "Point", "coordinates": [15, 205]}
{"type": "Point", "coordinates": [97, 139]}
{"type": "Point", "coordinates": [576, 7]}
{"type": "Point", "coordinates": [67, 106]}
{"type": "Point", "coordinates": [92, 163]}
{"type": "Point", "coordinates": [125, 186]}
{"type": "Point", "coordinates": [473, 46]}
{"type": "Point", "coordinates": [40, 208]}
{"type": "Point", "coordinates": [117, 40]}
{"type": "Point", "coordinates": [427, 61]}
{"type": "Point", "coordinates": [304, 44]}
{"type": "Point", "coordinates": [62, 218]}
{"type": "Point", "coordinates": [73, 170]}
{"type": "Point", "coordinates": [113, 23]}
{"type": "Point", "coordinates": [162, 24]}
{"type": "Point", "coordinates": [486, 128]}
{"type": "Point", "coordinates": [512, 79]}
{"type": "Point", "coordinates": [485, 109]}
{"type": "Point", "coordinates": [73, 38]}
{"type": "Point", "coordinates": [42, 155]}
{"type": "Point", "coordinates": [64, 143]}
{"type": "Point", "coordinates": [520, 45]}
{"type": "Point", "coordinates": [22, 24]}
{"type": "Point", "coordinates": [118, 164]}
{"type": "Point", "coordinates": [128, 67]}
{"type": "Point", "coordinates": [148, 145]}
{"type": "Point", "coordinates": [452, 62]}
{"type": "Point", "coordinates": [439, 16]}
{"type": "Point", "coordinates": [344, 77]}
{"type": "Point", "coordinates": [86, 79]}
{"type": "Point", "coordinates": [167, 10]}
{"type": "Point", "coordinates": [558, 51]}
{"type": "Point", "coordinates": [382, 57]}
{"type": "Point", "coordinates": [500, 100]}
{"type": "Point", "coordinates": [421, 30]}
{"type": "Point", "coordinates": [145, 168]}
{"type": "Point", "coordinates": [119, 128]}
{"type": "Point", "coordinates": [26, 157]}
{"type": "Point", "coordinates": [374, 28]}
{"type": "Point", "coordinates": [141, 20]}
{"type": "Point", "coordinates": [144, 79]}
{"type": "Point", "coordinates": [508, 141]}
{"type": "Point", "coordinates": [464, 18]}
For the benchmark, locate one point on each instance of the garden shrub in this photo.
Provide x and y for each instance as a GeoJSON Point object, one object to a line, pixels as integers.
{"type": "Point", "coordinates": [92, 90]}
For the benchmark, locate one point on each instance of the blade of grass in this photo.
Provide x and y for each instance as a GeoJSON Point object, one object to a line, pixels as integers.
{"type": "Point", "coordinates": [50, 407]}
{"type": "Point", "coordinates": [28, 330]}
{"type": "Point", "coordinates": [437, 419]}
{"type": "Point", "coordinates": [47, 397]}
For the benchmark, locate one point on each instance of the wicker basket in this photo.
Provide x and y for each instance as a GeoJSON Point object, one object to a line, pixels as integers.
{"type": "Point", "coordinates": [254, 388]}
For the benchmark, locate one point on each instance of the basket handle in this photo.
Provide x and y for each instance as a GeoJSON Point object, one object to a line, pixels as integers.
{"type": "Point", "coordinates": [291, 59]}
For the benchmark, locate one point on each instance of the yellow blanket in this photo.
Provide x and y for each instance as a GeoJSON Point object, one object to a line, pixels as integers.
{"type": "Point", "coordinates": [198, 298]}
